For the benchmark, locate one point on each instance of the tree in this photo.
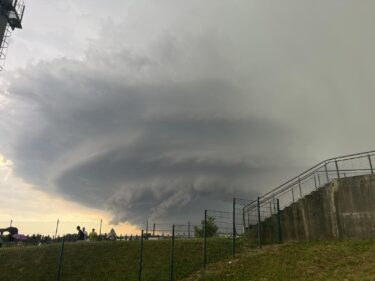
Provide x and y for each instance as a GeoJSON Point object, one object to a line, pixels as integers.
{"type": "Point", "coordinates": [211, 228]}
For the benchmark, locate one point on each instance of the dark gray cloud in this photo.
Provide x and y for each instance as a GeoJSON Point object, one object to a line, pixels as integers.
{"type": "Point", "coordinates": [147, 150]}
{"type": "Point", "coordinates": [181, 107]}
{"type": "Point", "coordinates": [137, 147]}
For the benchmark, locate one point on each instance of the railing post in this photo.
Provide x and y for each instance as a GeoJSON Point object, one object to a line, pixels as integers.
{"type": "Point", "coordinates": [325, 167]}
{"type": "Point", "coordinates": [205, 241]}
{"type": "Point", "coordinates": [315, 182]}
{"type": "Point", "coordinates": [188, 229]}
{"type": "Point", "coordinates": [234, 229]}
{"type": "Point", "coordinates": [370, 162]}
{"type": "Point", "coordinates": [300, 188]}
{"type": "Point", "coordinates": [320, 184]}
{"type": "Point", "coordinates": [172, 254]}
{"type": "Point", "coordinates": [274, 202]}
{"type": "Point", "coordinates": [337, 169]}
{"type": "Point", "coordinates": [259, 230]}
{"type": "Point", "coordinates": [140, 259]}
{"type": "Point", "coordinates": [293, 195]}
{"type": "Point", "coordinates": [279, 221]}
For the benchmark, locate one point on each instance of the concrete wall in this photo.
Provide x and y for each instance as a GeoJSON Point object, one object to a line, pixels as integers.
{"type": "Point", "coordinates": [343, 209]}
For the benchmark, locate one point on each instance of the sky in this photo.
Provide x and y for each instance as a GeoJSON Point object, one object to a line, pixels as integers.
{"type": "Point", "coordinates": [156, 110]}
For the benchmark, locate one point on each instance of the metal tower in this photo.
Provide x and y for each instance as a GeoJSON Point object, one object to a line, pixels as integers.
{"type": "Point", "coordinates": [11, 14]}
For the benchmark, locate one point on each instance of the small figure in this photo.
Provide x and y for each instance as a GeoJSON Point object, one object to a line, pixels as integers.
{"type": "Point", "coordinates": [93, 235]}
{"type": "Point", "coordinates": [81, 235]}
{"type": "Point", "coordinates": [85, 233]}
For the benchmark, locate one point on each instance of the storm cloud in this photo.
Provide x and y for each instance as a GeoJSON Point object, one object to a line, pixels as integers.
{"type": "Point", "coordinates": [182, 106]}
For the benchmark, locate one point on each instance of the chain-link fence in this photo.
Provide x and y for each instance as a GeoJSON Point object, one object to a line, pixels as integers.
{"type": "Point", "coordinates": [223, 232]}
{"type": "Point", "coordinates": [168, 249]}
{"type": "Point", "coordinates": [217, 225]}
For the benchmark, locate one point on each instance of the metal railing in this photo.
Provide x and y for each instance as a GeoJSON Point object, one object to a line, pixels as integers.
{"type": "Point", "coordinates": [305, 183]}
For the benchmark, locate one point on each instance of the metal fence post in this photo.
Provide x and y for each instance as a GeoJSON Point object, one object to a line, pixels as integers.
{"type": "Point", "coordinates": [337, 169]}
{"type": "Point", "coordinates": [172, 254]}
{"type": "Point", "coordinates": [140, 259]}
{"type": "Point", "coordinates": [370, 162]}
{"type": "Point", "coordinates": [325, 167]}
{"type": "Point", "coordinates": [244, 220]}
{"type": "Point", "coordinates": [274, 206]}
{"type": "Point", "coordinates": [300, 188]}
{"type": "Point", "coordinates": [293, 195]}
{"type": "Point", "coordinates": [205, 241]}
{"type": "Point", "coordinates": [59, 264]}
{"type": "Point", "coordinates": [316, 187]}
{"type": "Point", "coordinates": [279, 221]}
{"type": "Point", "coordinates": [259, 230]}
{"type": "Point", "coordinates": [188, 229]}
{"type": "Point", "coordinates": [234, 228]}
{"type": "Point", "coordinates": [248, 219]}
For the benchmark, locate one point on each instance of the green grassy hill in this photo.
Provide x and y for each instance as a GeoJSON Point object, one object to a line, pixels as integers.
{"type": "Point", "coordinates": [315, 261]}
{"type": "Point", "coordinates": [108, 260]}
{"type": "Point", "coordinates": [112, 261]}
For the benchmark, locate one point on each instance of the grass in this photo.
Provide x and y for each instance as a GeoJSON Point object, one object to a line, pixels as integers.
{"type": "Point", "coordinates": [110, 261]}
{"type": "Point", "coordinates": [315, 261]}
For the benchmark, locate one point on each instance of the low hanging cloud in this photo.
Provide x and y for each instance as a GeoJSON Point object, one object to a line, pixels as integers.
{"type": "Point", "coordinates": [162, 119]}
{"type": "Point", "coordinates": [143, 150]}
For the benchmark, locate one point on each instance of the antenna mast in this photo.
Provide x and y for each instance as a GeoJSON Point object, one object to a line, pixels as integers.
{"type": "Point", "coordinates": [11, 15]}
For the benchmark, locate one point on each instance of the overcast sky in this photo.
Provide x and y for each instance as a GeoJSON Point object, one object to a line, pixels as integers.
{"type": "Point", "coordinates": [159, 109]}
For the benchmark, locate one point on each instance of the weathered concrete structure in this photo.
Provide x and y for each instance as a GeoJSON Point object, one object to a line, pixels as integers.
{"type": "Point", "coordinates": [343, 209]}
